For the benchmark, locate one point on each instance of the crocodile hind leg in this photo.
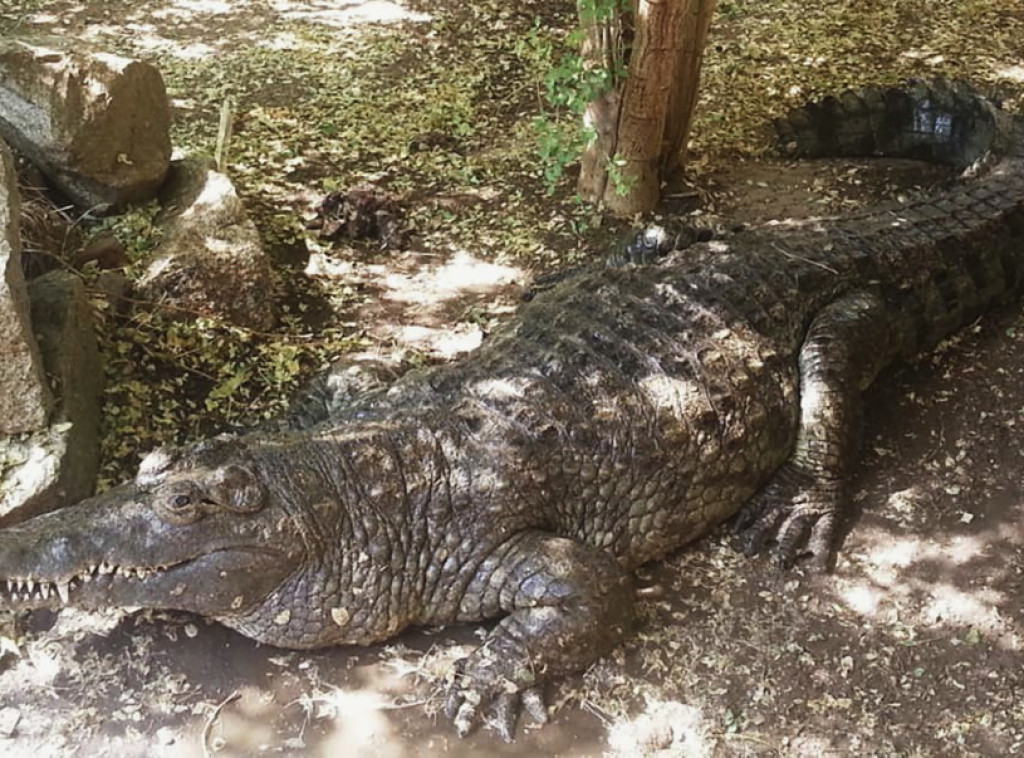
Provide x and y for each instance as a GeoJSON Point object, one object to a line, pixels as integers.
{"type": "Point", "coordinates": [567, 604]}
{"type": "Point", "coordinates": [841, 354]}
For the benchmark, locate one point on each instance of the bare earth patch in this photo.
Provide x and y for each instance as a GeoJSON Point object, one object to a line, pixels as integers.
{"type": "Point", "coordinates": [914, 645]}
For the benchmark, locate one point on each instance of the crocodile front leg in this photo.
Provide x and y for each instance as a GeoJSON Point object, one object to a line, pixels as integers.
{"type": "Point", "coordinates": [843, 351]}
{"type": "Point", "coordinates": [567, 604]}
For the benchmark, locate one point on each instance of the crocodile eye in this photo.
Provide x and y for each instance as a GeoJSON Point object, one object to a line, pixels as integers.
{"type": "Point", "coordinates": [181, 501]}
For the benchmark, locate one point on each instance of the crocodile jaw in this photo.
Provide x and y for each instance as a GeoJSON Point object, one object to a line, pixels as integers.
{"type": "Point", "coordinates": [26, 592]}
{"type": "Point", "coordinates": [110, 551]}
{"type": "Point", "coordinates": [221, 583]}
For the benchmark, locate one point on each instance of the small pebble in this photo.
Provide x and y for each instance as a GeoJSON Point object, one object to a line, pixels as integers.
{"type": "Point", "coordinates": [9, 718]}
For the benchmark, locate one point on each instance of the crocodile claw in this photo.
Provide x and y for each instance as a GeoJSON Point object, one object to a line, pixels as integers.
{"type": "Point", "coordinates": [797, 513]}
{"type": "Point", "coordinates": [464, 705]}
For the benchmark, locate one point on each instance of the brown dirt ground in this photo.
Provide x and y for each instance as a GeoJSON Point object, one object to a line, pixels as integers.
{"type": "Point", "coordinates": [912, 646]}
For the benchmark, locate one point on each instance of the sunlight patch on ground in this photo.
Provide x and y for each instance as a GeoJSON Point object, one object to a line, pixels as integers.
{"type": "Point", "coordinates": [196, 51]}
{"type": "Point", "coordinates": [245, 726]}
{"type": "Point", "coordinates": [359, 718]}
{"type": "Point", "coordinates": [1014, 73]}
{"type": "Point", "coordinates": [283, 41]}
{"type": "Point", "coordinates": [346, 13]}
{"type": "Point", "coordinates": [190, 8]}
{"type": "Point", "coordinates": [462, 274]}
{"type": "Point", "coordinates": [416, 284]}
{"type": "Point", "coordinates": [664, 728]}
{"type": "Point", "coordinates": [429, 307]}
{"type": "Point", "coordinates": [51, 19]}
{"type": "Point", "coordinates": [149, 40]}
{"type": "Point", "coordinates": [914, 580]}
{"type": "Point", "coordinates": [168, 27]}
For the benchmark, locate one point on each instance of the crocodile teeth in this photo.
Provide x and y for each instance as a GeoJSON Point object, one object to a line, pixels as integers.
{"type": "Point", "coordinates": [62, 590]}
{"type": "Point", "coordinates": [10, 585]}
{"type": "Point", "coordinates": [44, 590]}
{"type": "Point", "coordinates": [106, 568]}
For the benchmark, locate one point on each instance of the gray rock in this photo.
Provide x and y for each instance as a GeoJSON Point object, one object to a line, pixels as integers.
{"type": "Point", "coordinates": [25, 399]}
{"type": "Point", "coordinates": [210, 260]}
{"type": "Point", "coordinates": [57, 466]}
{"type": "Point", "coordinates": [9, 718]}
{"type": "Point", "coordinates": [96, 124]}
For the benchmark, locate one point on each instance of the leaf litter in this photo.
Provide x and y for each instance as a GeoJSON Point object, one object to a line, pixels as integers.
{"type": "Point", "coordinates": [913, 647]}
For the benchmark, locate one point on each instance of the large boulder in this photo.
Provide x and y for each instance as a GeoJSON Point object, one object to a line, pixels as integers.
{"type": "Point", "coordinates": [56, 466]}
{"type": "Point", "coordinates": [25, 399]}
{"type": "Point", "coordinates": [96, 124]}
{"type": "Point", "coordinates": [210, 260]}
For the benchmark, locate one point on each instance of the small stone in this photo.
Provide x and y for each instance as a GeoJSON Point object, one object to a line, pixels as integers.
{"type": "Point", "coordinates": [191, 631]}
{"type": "Point", "coordinates": [283, 618]}
{"type": "Point", "coordinates": [9, 718]}
{"type": "Point", "coordinates": [341, 616]}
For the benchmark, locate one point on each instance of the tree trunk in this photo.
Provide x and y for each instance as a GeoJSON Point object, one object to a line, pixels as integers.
{"type": "Point", "coordinates": [605, 47]}
{"type": "Point", "coordinates": [687, 78]}
{"type": "Point", "coordinates": [642, 124]}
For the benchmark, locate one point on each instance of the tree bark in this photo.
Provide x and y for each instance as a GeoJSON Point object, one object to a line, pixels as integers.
{"type": "Point", "coordinates": [642, 124]}
{"type": "Point", "coordinates": [687, 77]}
{"type": "Point", "coordinates": [604, 46]}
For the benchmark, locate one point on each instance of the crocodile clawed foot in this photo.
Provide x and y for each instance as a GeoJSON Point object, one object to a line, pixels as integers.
{"type": "Point", "coordinates": [468, 700]}
{"type": "Point", "coordinates": [794, 512]}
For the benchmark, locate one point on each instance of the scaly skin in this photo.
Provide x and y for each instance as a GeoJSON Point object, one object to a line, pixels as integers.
{"type": "Point", "coordinates": [622, 414]}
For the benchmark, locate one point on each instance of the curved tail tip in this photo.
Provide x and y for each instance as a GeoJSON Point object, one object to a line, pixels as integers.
{"type": "Point", "coordinates": [933, 120]}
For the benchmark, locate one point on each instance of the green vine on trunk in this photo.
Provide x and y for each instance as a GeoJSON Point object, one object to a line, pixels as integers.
{"type": "Point", "coordinates": [570, 84]}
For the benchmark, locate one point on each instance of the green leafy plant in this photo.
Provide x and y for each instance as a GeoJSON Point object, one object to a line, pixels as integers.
{"type": "Point", "coordinates": [137, 230]}
{"type": "Point", "coordinates": [569, 84]}
{"type": "Point", "coordinates": [559, 145]}
{"type": "Point", "coordinates": [622, 183]}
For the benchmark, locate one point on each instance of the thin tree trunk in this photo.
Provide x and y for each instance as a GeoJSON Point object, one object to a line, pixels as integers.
{"type": "Point", "coordinates": [603, 47]}
{"type": "Point", "coordinates": [641, 127]}
{"type": "Point", "coordinates": [684, 100]}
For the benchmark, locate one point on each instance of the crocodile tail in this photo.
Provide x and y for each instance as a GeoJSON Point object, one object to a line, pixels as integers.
{"type": "Point", "coordinates": [933, 120]}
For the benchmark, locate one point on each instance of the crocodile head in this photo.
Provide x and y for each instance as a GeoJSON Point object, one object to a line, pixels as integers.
{"type": "Point", "coordinates": [200, 529]}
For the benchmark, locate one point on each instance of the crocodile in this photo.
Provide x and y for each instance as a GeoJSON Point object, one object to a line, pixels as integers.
{"type": "Point", "coordinates": [623, 412]}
